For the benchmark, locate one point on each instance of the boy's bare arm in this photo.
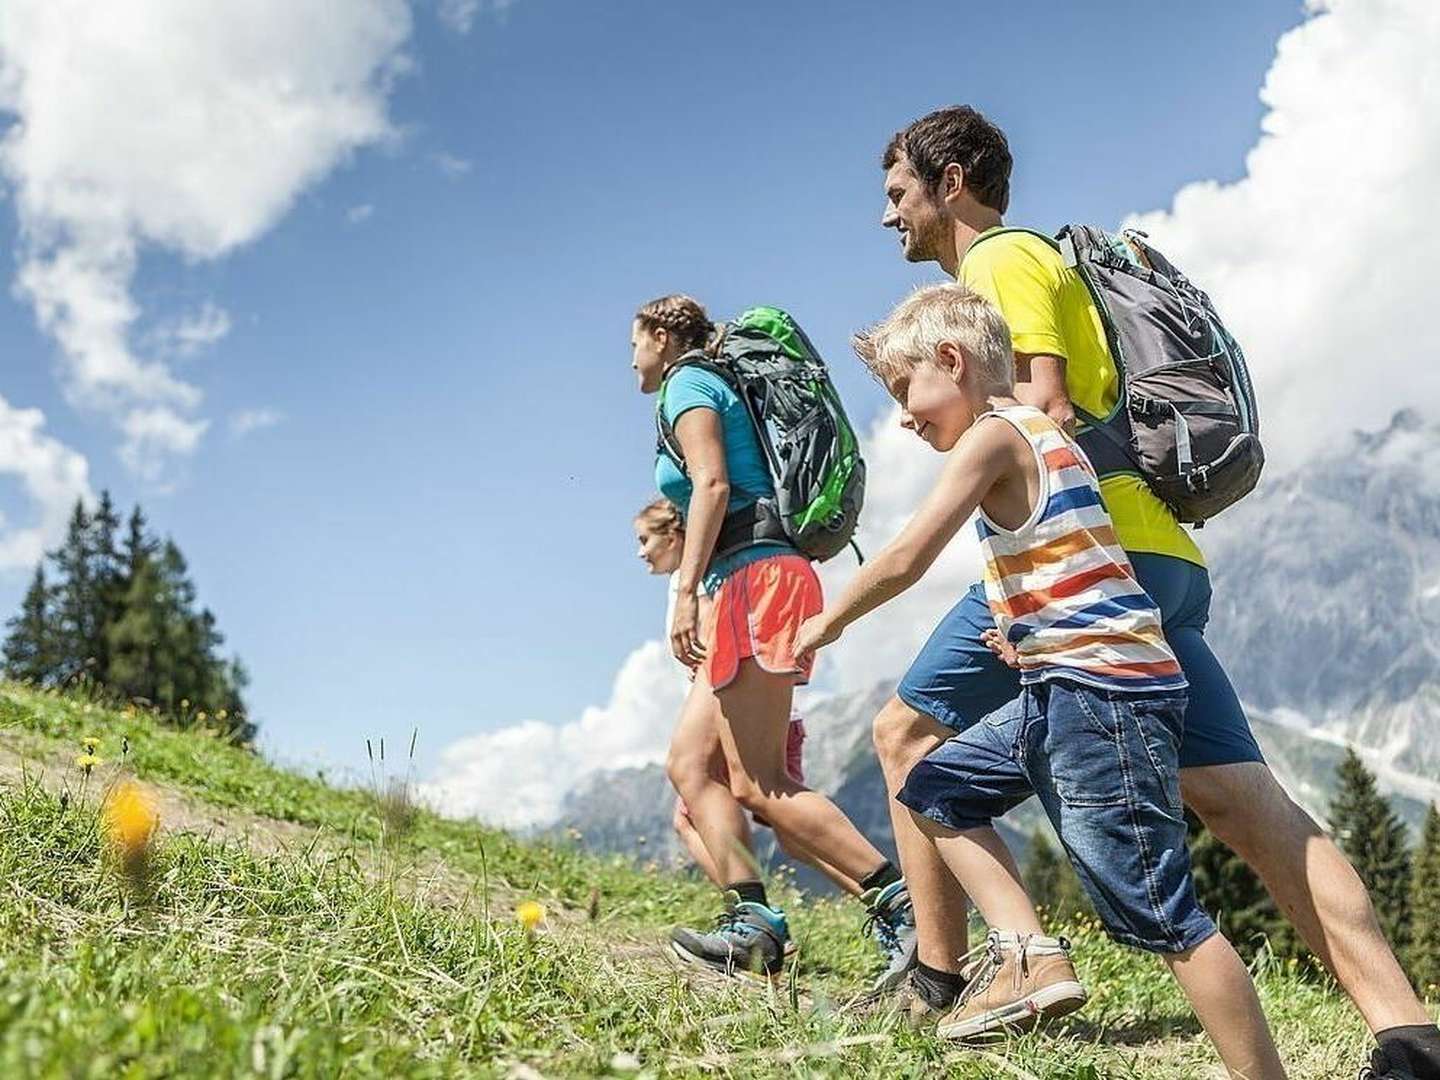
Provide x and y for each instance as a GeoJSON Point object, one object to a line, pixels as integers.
{"type": "Point", "coordinates": [982, 458]}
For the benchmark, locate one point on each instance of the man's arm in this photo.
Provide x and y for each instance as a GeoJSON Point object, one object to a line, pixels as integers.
{"type": "Point", "coordinates": [983, 457]}
{"type": "Point", "coordinates": [1040, 381]}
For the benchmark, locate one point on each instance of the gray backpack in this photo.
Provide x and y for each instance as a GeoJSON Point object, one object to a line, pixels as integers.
{"type": "Point", "coordinates": [1185, 420]}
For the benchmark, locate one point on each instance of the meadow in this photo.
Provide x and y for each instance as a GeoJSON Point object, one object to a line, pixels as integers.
{"type": "Point", "coordinates": [284, 927]}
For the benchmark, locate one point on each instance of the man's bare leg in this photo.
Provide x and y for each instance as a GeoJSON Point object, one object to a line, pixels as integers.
{"type": "Point", "coordinates": [902, 737]}
{"type": "Point", "coordinates": [1311, 881]}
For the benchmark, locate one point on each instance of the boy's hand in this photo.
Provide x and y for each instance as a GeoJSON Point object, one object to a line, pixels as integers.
{"type": "Point", "coordinates": [997, 643]}
{"type": "Point", "coordinates": [814, 633]}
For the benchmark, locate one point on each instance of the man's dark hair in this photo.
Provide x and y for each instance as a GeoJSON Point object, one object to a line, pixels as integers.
{"type": "Point", "coordinates": [962, 135]}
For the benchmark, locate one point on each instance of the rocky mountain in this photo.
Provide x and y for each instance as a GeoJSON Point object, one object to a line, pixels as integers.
{"type": "Point", "coordinates": [1326, 614]}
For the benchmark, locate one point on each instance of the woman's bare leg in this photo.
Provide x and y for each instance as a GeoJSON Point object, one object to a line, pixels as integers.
{"type": "Point", "coordinates": [754, 728]}
{"type": "Point", "coordinates": [718, 819]}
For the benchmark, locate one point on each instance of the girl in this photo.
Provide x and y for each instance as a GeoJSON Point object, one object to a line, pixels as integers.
{"type": "Point", "coordinates": [744, 662]}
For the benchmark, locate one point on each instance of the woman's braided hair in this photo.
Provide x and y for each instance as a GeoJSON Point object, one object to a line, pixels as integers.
{"type": "Point", "coordinates": [682, 316]}
{"type": "Point", "coordinates": [663, 517]}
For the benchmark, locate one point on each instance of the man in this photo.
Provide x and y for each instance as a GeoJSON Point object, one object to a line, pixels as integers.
{"type": "Point", "coordinates": [947, 179]}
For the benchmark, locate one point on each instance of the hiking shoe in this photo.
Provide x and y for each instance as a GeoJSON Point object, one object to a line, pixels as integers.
{"type": "Point", "coordinates": [920, 1003]}
{"type": "Point", "coordinates": [1023, 979]}
{"type": "Point", "coordinates": [749, 939]}
{"type": "Point", "coordinates": [1381, 1067]}
{"type": "Point", "coordinates": [891, 923]}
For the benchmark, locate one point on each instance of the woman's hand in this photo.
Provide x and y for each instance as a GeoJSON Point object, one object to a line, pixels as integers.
{"type": "Point", "coordinates": [997, 643]}
{"type": "Point", "coordinates": [685, 630]}
{"type": "Point", "coordinates": [815, 633]}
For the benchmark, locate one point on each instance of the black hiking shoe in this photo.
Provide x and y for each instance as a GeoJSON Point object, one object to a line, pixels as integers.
{"type": "Point", "coordinates": [749, 940]}
{"type": "Point", "coordinates": [1381, 1067]}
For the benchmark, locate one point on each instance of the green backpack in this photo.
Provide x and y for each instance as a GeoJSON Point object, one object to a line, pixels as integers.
{"type": "Point", "coordinates": [808, 443]}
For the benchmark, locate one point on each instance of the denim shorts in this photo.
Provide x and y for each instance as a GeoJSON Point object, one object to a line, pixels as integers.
{"type": "Point", "coordinates": [957, 680]}
{"type": "Point", "coordinates": [1105, 767]}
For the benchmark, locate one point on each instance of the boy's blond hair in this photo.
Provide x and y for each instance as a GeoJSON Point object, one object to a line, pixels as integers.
{"type": "Point", "coordinates": [911, 334]}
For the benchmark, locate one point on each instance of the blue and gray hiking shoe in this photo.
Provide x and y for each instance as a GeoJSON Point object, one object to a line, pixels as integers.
{"type": "Point", "coordinates": [892, 925]}
{"type": "Point", "coordinates": [749, 940]}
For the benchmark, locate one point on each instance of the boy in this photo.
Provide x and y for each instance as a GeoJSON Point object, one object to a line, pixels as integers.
{"type": "Point", "coordinates": [1097, 728]}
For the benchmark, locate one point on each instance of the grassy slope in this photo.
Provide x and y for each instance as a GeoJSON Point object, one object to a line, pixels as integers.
{"type": "Point", "coordinates": [330, 953]}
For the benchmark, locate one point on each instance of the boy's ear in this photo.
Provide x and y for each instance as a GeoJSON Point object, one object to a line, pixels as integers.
{"type": "Point", "coordinates": [950, 358]}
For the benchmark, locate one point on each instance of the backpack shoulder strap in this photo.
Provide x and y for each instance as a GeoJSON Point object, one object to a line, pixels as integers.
{"type": "Point", "coordinates": [990, 234]}
{"type": "Point", "coordinates": [666, 442]}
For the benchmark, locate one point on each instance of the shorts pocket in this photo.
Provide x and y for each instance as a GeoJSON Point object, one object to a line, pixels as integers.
{"type": "Point", "coordinates": [1158, 724]}
{"type": "Point", "coordinates": [1086, 762]}
{"type": "Point", "coordinates": [1079, 794]}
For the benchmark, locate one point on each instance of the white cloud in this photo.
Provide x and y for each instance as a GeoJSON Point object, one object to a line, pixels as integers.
{"type": "Point", "coordinates": [189, 333]}
{"type": "Point", "coordinates": [184, 128]}
{"type": "Point", "coordinates": [1316, 258]}
{"type": "Point", "coordinates": [459, 15]}
{"type": "Point", "coordinates": [52, 475]}
{"type": "Point", "coordinates": [356, 214]}
{"type": "Point", "coordinates": [154, 434]}
{"type": "Point", "coordinates": [245, 421]}
{"type": "Point", "coordinates": [452, 166]}
{"type": "Point", "coordinates": [518, 775]}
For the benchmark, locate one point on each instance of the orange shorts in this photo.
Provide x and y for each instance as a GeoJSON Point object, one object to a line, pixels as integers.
{"type": "Point", "coordinates": [756, 615]}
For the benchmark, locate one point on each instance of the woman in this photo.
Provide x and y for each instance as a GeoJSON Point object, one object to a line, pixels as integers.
{"type": "Point", "coordinates": [660, 534]}
{"type": "Point", "coordinates": [745, 667]}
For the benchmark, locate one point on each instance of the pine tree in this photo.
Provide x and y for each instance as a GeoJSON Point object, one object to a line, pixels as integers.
{"type": "Point", "coordinates": [76, 632]}
{"type": "Point", "coordinates": [107, 578]}
{"type": "Point", "coordinates": [1425, 908]}
{"type": "Point", "coordinates": [134, 638]}
{"type": "Point", "coordinates": [1373, 838]}
{"type": "Point", "coordinates": [30, 645]}
{"type": "Point", "coordinates": [1051, 881]}
{"type": "Point", "coordinates": [125, 616]}
{"type": "Point", "coordinates": [1235, 897]}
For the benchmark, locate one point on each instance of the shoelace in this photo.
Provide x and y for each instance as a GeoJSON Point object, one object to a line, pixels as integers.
{"type": "Point", "coordinates": [879, 926]}
{"type": "Point", "coordinates": [727, 919]}
{"type": "Point", "coordinates": [985, 975]}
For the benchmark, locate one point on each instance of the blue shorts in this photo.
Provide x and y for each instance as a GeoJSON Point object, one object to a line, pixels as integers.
{"type": "Point", "coordinates": [1105, 767]}
{"type": "Point", "coordinates": [957, 680]}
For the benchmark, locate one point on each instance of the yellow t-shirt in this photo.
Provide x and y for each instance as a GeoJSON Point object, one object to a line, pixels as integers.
{"type": "Point", "coordinates": [1050, 311]}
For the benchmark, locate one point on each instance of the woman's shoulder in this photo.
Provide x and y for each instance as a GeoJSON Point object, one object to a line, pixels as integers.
{"type": "Point", "coordinates": [695, 385]}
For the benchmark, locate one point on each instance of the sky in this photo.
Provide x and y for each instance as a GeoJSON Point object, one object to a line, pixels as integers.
{"type": "Point", "coordinates": [341, 293]}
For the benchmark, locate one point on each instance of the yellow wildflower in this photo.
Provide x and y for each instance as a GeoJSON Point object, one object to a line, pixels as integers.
{"type": "Point", "coordinates": [530, 914]}
{"type": "Point", "coordinates": [131, 818]}
{"type": "Point", "coordinates": [87, 762]}
{"type": "Point", "coordinates": [90, 742]}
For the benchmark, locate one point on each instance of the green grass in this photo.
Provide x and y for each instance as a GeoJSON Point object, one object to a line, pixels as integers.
{"type": "Point", "coordinates": [334, 957]}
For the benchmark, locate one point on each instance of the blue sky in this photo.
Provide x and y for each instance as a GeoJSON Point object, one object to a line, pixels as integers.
{"type": "Point", "coordinates": [435, 533]}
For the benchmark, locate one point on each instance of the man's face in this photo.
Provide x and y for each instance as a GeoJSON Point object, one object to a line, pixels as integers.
{"type": "Point", "coordinates": [915, 213]}
{"type": "Point", "coordinates": [932, 404]}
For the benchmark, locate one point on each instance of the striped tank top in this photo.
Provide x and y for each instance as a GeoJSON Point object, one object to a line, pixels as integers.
{"type": "Point", "coordinates": [1061, 588]}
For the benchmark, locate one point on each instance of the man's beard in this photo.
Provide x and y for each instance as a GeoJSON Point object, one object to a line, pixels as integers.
{"type": "Point", "coordinates": [926, 243]}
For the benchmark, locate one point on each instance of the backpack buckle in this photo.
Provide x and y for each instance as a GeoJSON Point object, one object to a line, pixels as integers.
{"type": "Point", "coordinates": [1143, 408]}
